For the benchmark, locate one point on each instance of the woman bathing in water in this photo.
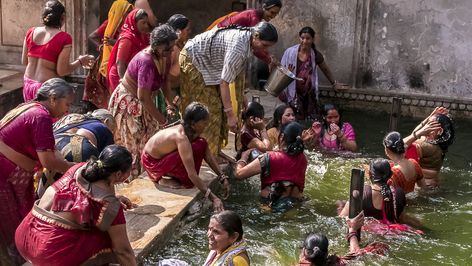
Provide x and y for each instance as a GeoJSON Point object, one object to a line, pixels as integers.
{"type": "Point", "coordinates": [315, 247]}
{"type": "Point", "coordinates": [405, 172]}
{"type": "Point", "coordinates": [429, 142]}
{"type": "Point", "coordinates": [253, 133]}
{"type": "Point", "coordinates": [282, 172]}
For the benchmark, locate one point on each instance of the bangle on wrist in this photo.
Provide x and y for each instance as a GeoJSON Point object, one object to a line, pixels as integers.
{"type": "Point", "coordinates": [351, 235]}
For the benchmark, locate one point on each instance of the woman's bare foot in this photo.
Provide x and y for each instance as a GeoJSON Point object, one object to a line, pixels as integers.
{"type": "Point", "coordinates": [169, 182]}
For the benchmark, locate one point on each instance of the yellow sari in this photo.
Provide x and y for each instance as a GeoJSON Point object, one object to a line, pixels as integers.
{"type": "Point", "coordinates": [116, 16]}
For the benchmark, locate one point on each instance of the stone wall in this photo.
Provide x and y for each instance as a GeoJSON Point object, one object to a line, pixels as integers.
{"type": "Point", "coordinates": [407, 46]}
{"type": "Point", "coordinates": [420, 46]}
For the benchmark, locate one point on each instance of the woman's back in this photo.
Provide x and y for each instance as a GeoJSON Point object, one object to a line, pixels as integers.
{"type": "Point", "coordinates": [44, 46]}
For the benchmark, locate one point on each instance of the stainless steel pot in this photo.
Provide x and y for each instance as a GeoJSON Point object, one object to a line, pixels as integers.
{"type": "Point", "coordinates": [278, 80]}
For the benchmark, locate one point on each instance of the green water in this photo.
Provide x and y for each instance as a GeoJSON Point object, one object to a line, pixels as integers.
{"type": "Point", "coordinates": [275, 239]}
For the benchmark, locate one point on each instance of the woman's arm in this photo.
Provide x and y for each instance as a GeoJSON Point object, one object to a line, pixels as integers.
{"type": "Point", "coordinates": [19, 159]}
{"type": "Point", "coordinates": [121, 246]}
{"type": "Point", "coordinates": [244, 170]}
{"type": "Point", "coordinates": [65, 67]}
{"type": "Point", "coordinates": [94, 37]}
{"type": "Point", "coordinates": [54, 161]}
{"type": "Point", "coordinates": [24, 54]}
{"type": "Point", "coordinates": [145, 96]}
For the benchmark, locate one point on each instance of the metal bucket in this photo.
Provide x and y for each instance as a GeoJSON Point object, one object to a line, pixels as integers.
{"type": "Point", "coordinates": [278, 80]}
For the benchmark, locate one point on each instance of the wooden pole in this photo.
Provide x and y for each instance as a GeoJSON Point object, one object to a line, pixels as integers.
{"type": "Point", "coordinates": [356, 194]}
{"type": "Point", "coordinates": [395, 113]}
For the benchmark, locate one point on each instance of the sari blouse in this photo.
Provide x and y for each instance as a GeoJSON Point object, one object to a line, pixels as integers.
{"type": "Point", "coordinates": [398, 179]}
{"type": "Point", "coordinates": [349, 133]}
{"type": "Point", "coordinates": [144, 71]}
{"type": "Point", "coordinates": [93, 206]}
{"type": "Point", "coordinates": [29, 132]}
{"type": "Point", "coordinates": [279, 166]}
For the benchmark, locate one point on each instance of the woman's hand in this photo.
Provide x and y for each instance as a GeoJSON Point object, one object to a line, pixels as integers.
{"type": "Point", "coordinates": [334, 129]}
{"type": "Point", "coordinates": [356, 223]}
{"type": "Point", "coordinates": [126, 203]}
{"type": "Point", "coordinates": [291, 68]}
{"type": "Point", "coordinates": [86, 61]}
{"type": "Point", "coordinates": [217, 204]}
{"type": "Point", "coordinates": [427, 129]}
{"type": "Point", "coordinates": [316, 127]}
{"type": "Point", "coordinates": [308, 134]}
{"type": "Point", "coordinates": [257, 123]}
{"type": "Point", "coordinates": [340, 86]}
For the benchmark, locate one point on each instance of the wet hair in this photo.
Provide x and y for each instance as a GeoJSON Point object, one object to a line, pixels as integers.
{"type": "Point", "coordinates": [393, 141]}
{"type": "Point", "coordinates": [312, 33]}
{"type": "Point", "coordinates": [112, 159]}
{"type": "Point", "coordinates": [266, 31]}
{"type": "Point", "coordinates": [291, 134]}
{"type": "Point", "coordinates": [163, 34]}
{"type": "Point", "coordinates": [231, 222]}
{"type": "Point", "coordinates": [140, 14]}
{"type": "Point", "coordinates": [82, 107]}
{"type": "Point", "coordinates": [52, 14]}
{"type": "Point", "coordinates": [268, 4]}
{"type": "Point", "coordinates": [277, 116]}
{"type": "Point", "coordinates": [380, 173]}
{"type": "Point", "coordinates": [316, 248]}
{"type": "Point", "coordinates": [178, 21]}
{"type": "Point", "coordinates": [254, 109]}
{"type": "Point", "coordinates": [132, 1]}
{"type": "Point", "coordinates": [55, 87]}
{"type": "Point", "coordinates": [194, 112]}
{"type": "Point", "coordinates": [447, 136]}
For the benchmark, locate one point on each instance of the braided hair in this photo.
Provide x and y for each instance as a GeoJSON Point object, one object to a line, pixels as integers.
{"type": "Point", "coordinates": [380, 173]}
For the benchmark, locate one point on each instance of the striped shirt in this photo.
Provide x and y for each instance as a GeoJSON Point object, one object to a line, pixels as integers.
{"type": "Point", "coordinates": [227, 57]}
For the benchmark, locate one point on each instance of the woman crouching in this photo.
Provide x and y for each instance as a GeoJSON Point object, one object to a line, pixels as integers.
{"type": "Point", "coordinates": [282, 172]}
{"type": "Point", "coordinates": [80, 220]}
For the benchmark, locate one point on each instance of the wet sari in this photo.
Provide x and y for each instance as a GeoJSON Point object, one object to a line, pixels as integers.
{"type": "Point", "coordinates": [27, 129]}
{"type": "Point", "coordinates": [45, 238]}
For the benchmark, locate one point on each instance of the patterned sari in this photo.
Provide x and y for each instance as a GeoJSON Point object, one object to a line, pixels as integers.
{"type": "Point", "coordinates": [230, 257]}
{"type": "Point", "coordinates": [45, 238]}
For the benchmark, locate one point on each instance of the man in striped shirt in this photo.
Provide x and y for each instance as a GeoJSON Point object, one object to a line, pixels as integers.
{"type": "Point", "coordinates": [212, 60]}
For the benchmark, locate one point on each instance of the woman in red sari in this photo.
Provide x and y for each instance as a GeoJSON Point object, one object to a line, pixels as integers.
{"type": "Point", "coordinates": [134, 37]}
{"type": "Point", "coordinates": [80, 220]}
{"type": "Point", "coordinates": [27, 143]}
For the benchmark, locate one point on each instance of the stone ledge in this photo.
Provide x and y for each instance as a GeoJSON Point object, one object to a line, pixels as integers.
{"type": "Point", "coordinates": [413, 104]}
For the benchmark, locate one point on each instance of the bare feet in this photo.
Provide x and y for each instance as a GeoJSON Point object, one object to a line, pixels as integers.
{"type": "Point", "coordinates": [169, 182]}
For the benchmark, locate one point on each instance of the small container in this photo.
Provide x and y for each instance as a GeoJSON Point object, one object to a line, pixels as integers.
{"type": "Point", "coordinates": [256, 99]}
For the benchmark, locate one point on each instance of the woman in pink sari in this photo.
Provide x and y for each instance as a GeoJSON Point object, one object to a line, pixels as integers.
{"type": "Point", "coordinates": [26, 144]}
{"type": "Point", "coordinates": [80, 220]}
{"type": "Point", "coordinates": [134, 37]}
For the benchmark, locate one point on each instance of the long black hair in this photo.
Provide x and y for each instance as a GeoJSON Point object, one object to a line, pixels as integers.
{"type": "Point", "coordinates": [312, 33]}
{"type": "Point", "coordinates": [193, 113]}
{"type": "Point", "coordinates": [291, 134]}
{"type": "Point", "coordinates": [112, 159]}
{"type": "Point", "coordinates": [268, 4]}
{"type": "Point", "coordinates": [380, 173]}
{"type": "Point", "coordinates": [316, 248]}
